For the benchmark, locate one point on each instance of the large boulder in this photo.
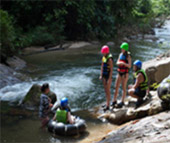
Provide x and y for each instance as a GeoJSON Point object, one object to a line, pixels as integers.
{"type": "Point", "coordinates": [32, 98]}
{"type": "Point", "coordinates": [157, 69]}
{"type": "Point", "coordinates": [152, 106]}
{"type": "Point", "coordinates": [16, 63]}
{"type": "Point", "coordinates": [8, 76]}
{"type": "Point", "coordinates": [152, 129]}
{"type": "Point", "coordinates": [164, 91]}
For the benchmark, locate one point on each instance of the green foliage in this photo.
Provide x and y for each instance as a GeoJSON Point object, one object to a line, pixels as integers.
{"type": "Point", "coordinates": [7, 33]}
{"type": "Point", "coordinates": [50, 22]}
{"type": "Point", "coordinates": [161, 7]}
{"type": "Point", "coordinates": [41, 36]}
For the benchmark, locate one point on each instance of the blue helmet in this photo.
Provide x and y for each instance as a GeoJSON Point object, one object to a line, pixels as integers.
{"type": "Point", "coordinates": [138, 63]}
{"type": "Point", "coordinates": [64, 102]}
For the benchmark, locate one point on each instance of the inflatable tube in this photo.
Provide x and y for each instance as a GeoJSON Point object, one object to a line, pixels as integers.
{"type": "Point", "coordinates": [164, 90]}
{"type": "Point", "coordinates": [67, 129]}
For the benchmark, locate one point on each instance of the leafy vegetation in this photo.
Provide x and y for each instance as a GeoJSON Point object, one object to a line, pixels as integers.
{"type": "Point", "coordinates": [26, 23]}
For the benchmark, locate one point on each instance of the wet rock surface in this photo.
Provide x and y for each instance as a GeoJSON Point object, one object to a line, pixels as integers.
{"type": "Point", "coordinates": [32, 98]}
{"type": "Point", "coordinates": [11, 74]}
{"type": "Point", "coordinates": [8, 76]}
{"type": "Point", "coordinates": [16, 63]}
{"type": "Point", "coordinates": [151, 106]}
{"type": "Point", "coordinates": [159, 68]}
{"type": "Point", "coordinates": [152, 129]}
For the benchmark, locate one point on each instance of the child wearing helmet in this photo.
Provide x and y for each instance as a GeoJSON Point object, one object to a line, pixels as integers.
{"type": "Point", "coordinates": [123, 63]}
{"type": "Point", "coordinates": [106, 73]}
{"type": "Point", "coordinates": [139, 88]}
{"type": "Point", "coordinates": [63, 113]}
{"type": "Point", "coordinates": [45, 104]}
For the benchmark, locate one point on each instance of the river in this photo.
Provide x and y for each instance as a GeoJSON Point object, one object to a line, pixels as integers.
{"type": "Point", "coordinates": [72, 73]}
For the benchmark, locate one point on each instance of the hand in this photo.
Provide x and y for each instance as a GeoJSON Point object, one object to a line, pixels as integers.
{"type": "Point", "coordinates": [100, 78]}
{"type": "Point", "coordinates": [50, 105]}
{"type": "Point", "coordinates": [122, 64]}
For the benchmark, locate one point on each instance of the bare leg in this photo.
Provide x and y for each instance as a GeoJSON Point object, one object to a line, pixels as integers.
{"type": "Point", "coordinates": [130, 86]}
{"type": "Point", "coordinates": [107, 85]}
{"type": "Point", "coordinates": [131, 93]}
{"type": "Point", "coordinates": [44, 121]}
{"type": "Point", "coordinates": [124, 85]}
{"type": "Point", "coordinates": [117, 85]}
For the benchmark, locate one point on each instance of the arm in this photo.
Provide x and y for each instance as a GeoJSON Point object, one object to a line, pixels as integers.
{"type": "Point", "coordinates": [69, 118]}
{"type": "Point", "coordinates": [118, 63]}
{"type": "Point", "coordinates": [129, 62]}
{"type": "Point", "coordinates": [50, 104]}
{"type": "Point", "coordinates": [101, 71]}
{"type": "Point", "coordinates": [110, 62]}
{"type": "Point", "coordinates": [54, 118]}
{"type": "Point", "coordinates": [139, 80]}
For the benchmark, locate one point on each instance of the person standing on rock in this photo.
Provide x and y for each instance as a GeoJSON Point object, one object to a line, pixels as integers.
{"type": "Point", "coordinates": [124, 64]}
{"type": "Point", "coordinates": [139, 88]}
{"type": "Point", "coordinates": [45, 105]}
{"type": "Point", "coordinates": [106, 73]}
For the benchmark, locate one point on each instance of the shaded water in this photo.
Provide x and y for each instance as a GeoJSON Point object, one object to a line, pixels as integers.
{"type": "Point", "coordinates": [72, 73]}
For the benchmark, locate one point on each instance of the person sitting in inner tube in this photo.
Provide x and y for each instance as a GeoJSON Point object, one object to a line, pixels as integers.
{"type": "Point", "coordinates": [63, 113]}
{"type": "Point", "coordinates": [140, 87]}
{"type": "Point", "coordinates": [45, 105]}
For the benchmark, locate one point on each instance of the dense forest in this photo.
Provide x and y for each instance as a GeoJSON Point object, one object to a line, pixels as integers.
{"type": "Point", "coordinates": [40, 22]}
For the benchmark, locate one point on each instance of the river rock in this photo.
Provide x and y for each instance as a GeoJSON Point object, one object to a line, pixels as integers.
{"type": "Point", "coordinates": [153, 105]}
{"type": "Point", "coordinates": [8, 76]}
{"type": "Point", "coordinates": [152, 129]}
{"type": "Point", "coordinates": [16, 63]}
{"type": "Point", "coordinates": [110, 44]}
{"type": "Point", "coordinates": [80, 44]}
{"type": "Point", "coordinates": [157, 69]}
{"type": "Point", "coordinates": [164, 91]}
{"type": "Point", "coordinates": [32, 98]}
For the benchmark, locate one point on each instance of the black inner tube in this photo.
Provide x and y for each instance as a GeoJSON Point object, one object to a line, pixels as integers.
{"type": "Point", "coordinates": [67, 129]}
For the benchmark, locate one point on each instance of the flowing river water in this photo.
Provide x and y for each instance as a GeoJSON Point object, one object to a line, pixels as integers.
{"type": "Point", "coordinates": [73, 73]}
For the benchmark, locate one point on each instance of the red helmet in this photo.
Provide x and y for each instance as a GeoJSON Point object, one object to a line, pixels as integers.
{"type": "Point", "coordinates": [105, 49]}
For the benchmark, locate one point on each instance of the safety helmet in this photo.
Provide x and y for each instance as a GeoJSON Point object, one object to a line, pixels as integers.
{"type": "Point", "coordinates": [138, 63]}
{"type": "Point", "coordinates": [105, 49]}
{"type": "Point", "coordinates": [64, 102]}
{"type": "Point", "coordinates": [124, 46]}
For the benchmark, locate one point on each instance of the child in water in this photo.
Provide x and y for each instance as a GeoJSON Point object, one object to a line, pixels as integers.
{"type": "Point", "coordinates": [106, 73]}
{"type": "Point", "coordinates": [45, 105]}
{"type": "Point", "coordinates": [63, 113]}
{"type": "Point", "coordinates": [123, 63]}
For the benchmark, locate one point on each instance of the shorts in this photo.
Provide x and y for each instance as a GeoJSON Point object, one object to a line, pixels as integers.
{"type": "Point", "coordinates": [140, 93]}
{"type": "Point", "coordinates": [122, 74]}
{"type": "Point", "coordinates": [106, 77]}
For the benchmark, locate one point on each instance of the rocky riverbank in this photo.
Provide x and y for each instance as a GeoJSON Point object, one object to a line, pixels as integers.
{"type": "Point", "coordinates": [150, 129]}
{"type": "Point", "coordinates": [64, 46]}
{"type": "Point", "coordinates": [10, 73]}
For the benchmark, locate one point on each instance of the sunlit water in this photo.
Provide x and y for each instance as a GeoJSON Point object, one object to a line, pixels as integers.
{"type": "Point", "coordinates": [72, 73]}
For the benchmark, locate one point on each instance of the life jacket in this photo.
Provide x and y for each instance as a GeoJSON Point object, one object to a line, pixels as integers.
{"type": "Point", "coordinates": [144, 84]}
{"type": "Point", "coordinates": [61, 116]}
{"type": "Point", "coordinates": [123, 69]}
{"type": "Point", "coordinates": [106, 67]}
